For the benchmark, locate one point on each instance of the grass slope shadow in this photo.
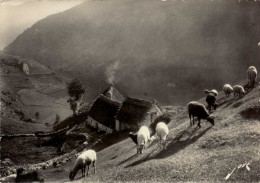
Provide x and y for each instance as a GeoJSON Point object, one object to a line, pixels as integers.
{"type": "Point", "coordinates": [174, 146]}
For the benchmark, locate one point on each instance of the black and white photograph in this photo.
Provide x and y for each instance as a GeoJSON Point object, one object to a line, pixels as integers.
{"type": "Point", "coordinates": [139, 91]}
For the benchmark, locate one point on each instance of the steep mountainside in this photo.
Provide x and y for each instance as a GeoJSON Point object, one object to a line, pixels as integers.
{"type": "Point", "coordinates": [150, 48]}
{"type": "Point", "coordinates": [206, 154]}
{"type": "Point", "coordinates": [22, 95]}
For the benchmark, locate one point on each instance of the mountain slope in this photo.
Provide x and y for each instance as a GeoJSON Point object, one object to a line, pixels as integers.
{"type": "Point", "coordinates": [22, 95]}
{"type": "Point", "coordinates": [206, 154]}
{"type": "Point", "coordinates": [150, 48]}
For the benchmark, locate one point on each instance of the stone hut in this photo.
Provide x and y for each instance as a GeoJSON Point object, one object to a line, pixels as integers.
{"type": "Point", "coordinates": [101, 114]}
{"type": "Point", "coordinates": [134, 113]}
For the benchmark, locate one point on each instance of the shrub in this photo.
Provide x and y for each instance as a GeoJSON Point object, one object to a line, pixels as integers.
{"type": "Point", "coordinates": [165, 117]}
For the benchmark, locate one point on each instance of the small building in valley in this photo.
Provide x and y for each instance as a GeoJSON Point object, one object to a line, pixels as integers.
{"type": "Point", "coordinates": [25, 68]}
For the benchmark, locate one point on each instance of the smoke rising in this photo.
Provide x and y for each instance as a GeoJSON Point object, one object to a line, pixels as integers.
{"type": "Point", "coordinates": [111, 72]}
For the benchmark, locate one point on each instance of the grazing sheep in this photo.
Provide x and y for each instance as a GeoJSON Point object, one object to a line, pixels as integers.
{"type": "Point", "coordinates": [32, 176]}
{"type": "Point", "coordinates": [251, 74]}
{"type": "Point", "coordinates": [238, 90]}
{"type": "Point", "coordinates": [133, 136]}
{"type": "Point", "coordinates": [162, 131]}
{"type": "Point", "coordinates": [211, 101]}
{"type": "Point", "coordinates": [213, 91]}
{"type": "Point", "coordinates": [83, 160]}
{"type": "Point", "coordinates": [199, 110]}
{"type": "Point", "coordinates": [227, 88]}
{"type": "Point", "coordinates": [143, 136]}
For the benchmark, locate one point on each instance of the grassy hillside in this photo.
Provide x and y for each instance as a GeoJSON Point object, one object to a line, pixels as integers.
{"type": "Point", "coordinates": [150, 48]}
{"type": "Point", "coordinates": [21, 97]}
{"type": "Point", "coordinates": [40, 91]}
{"type": "Point", "coordinates": [205, 154]}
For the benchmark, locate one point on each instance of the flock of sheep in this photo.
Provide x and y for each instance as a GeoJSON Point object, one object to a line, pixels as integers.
{"type": "Point", "coordinates": [142, 137]}
{"type": "Point", "coordinates": [199, 110]}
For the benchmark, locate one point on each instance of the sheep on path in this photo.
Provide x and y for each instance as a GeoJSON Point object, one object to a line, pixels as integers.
{"type": "Point", "coordinates": [83, 160]}
{"type": "Point", "coordinates": [143, 136]}
{"type": "Point", "coordinates": [238, 90]}
{"type": "Point", "coordinates": [252, 75]}
{"type": "Point", "coordinates": [227, 88]}
{"type": "Point", "coordinates": [199, 110]}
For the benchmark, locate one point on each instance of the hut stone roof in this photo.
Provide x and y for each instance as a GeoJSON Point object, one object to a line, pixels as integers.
{"type": "Point", "coordinates": [133, 110]}
{"type": "Point", "coordinates": [113, 94]}
{"type": "Point", "coordinates": [104, 110]}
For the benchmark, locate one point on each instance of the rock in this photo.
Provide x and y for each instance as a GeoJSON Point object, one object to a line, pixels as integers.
{"type": "Point", "coordinates": [223, 143]}
{"type": "Point", "coordinates": [85, 143]}
{"type": "Point", "coordinates": [55, 164]}
{"type": "Point", "coordinates": [7, 162]}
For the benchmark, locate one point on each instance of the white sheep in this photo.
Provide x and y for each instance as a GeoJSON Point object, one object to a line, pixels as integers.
{"type": "Point", "coordinates": [162, 131]}
{"type": "Point", "coordinates": [252, 75]}
{"type": "Point", "coordinates": [227, 88]}
{"type": "Point", "coordinates": [238, 90]}
{"type": "Point", "coordinates": [213, 91]}
{"type": "Point", "coordinates": [83, 160]}
{"type": "Point", "coordinates": [143, 136]}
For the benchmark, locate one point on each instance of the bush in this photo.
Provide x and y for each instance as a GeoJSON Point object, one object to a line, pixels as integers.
{"type": "Point", "coordinates": [165, 117]}
{"type": "Point", "coordinates": [54, 164]}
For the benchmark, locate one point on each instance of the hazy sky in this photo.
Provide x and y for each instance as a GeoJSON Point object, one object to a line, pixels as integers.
{"type": "Point", "coordinates": [18, 15]}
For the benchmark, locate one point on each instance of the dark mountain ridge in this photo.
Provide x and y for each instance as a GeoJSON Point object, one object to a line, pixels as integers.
{"type": "Point", "coordinates": [151, 49]}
